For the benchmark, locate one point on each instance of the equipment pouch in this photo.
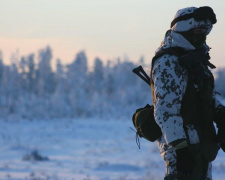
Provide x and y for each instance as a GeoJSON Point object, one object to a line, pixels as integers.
{"type": "Point", "coordinates": [144, 122]}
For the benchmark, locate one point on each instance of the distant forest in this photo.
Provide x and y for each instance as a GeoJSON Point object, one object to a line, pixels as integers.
{"type": "Point", "coordinates": [30, 89]}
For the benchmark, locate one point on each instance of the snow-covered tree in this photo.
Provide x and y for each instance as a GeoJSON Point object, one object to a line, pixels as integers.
{"type": "Point", "coordinates": [31, 89]}
{"type": "Point", "coordinates": [77, 84]}
{"type": "Point", "coordinates": [31, 74]}
{"type": "Point", "coordinates": [59, 71]}
{"type": "Point", "coordinates": [96, 84]}
{"type": "Point", "coordinates": [45, 75]}
{"type": "Point", "coordinates": [97, 76]}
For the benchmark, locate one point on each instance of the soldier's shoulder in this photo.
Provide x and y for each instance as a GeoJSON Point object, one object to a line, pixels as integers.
{"type": "Point", "coordinates": [166, 60]}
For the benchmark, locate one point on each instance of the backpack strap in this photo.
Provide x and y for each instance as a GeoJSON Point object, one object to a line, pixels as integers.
{"type": "Point", "coordinates": [177, 51]}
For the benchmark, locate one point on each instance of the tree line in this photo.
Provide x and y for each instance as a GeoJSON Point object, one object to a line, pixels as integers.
{"type": "Point", "coordinates": [30, 89]}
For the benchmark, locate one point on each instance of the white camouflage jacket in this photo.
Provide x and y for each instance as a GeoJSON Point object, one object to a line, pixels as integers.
{"type": "Point", "coordinates": [170, 82]}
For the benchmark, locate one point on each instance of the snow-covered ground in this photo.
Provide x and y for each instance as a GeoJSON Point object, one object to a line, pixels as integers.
{"type": "Point", "coordinates": [81, 150]}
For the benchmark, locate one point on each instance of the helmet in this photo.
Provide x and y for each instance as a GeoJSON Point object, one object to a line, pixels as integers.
{"type": "Point", "coordinates": [192, 17]}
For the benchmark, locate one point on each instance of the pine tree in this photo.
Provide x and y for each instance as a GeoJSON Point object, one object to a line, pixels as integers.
{"type": "Point", "coordinates": [77, 84]}
{"type": "Point", "coordinates": [45, 75]}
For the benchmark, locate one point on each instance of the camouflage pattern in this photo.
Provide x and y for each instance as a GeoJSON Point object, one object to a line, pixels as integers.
{"type": "Point", "coordinates": [173, 39]}
{"type": "Point", "coordinates": [170, 82]}
{"type": "Point", "coordinates": [169, 155]}
{"type": "Point", "coordinates": [188, 24]}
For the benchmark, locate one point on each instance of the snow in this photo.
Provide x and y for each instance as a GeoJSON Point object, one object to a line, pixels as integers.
{"type": "Point", "coordinates": [81, 149]}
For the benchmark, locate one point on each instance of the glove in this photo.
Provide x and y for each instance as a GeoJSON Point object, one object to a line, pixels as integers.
{"type": "Point", "coordinates": [185, 162]}
{"type": "Point", "coordinates": [194, 57]}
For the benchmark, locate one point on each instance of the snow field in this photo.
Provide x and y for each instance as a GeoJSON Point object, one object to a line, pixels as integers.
{"type": "Point", "coordinates": [81, 150]}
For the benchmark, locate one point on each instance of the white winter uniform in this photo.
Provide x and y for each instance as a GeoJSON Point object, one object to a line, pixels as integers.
{"type": "Point", "coordinates": [168, 73]}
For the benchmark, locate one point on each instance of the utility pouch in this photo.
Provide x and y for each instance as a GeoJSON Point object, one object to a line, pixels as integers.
{"type": "Point", "coordinates": [144, 122]}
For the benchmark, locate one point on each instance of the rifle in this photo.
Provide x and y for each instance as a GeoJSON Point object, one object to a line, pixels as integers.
{"type": "Point", "coordinates": [142, 74]}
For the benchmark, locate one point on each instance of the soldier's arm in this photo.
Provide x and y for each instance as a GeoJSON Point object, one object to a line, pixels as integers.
{"type": "Point", "coordinates": [170, 81]}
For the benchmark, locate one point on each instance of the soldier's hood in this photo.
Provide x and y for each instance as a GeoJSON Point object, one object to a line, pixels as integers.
{"type": "Point", "coordinates": [185, 20]}
{"type": "Point", "coordinates": [173, 39]}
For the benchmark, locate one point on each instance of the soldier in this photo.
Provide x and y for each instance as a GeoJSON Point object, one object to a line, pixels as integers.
{"type": "Point", "coordinates": [184, 97]}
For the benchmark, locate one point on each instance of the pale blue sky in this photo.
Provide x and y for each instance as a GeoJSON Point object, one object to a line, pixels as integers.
{"type": "Point", "coordinates": [104, 28]}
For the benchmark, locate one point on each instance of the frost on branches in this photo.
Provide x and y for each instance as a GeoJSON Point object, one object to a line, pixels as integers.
{"type": "Point", "coordinates": [31, 89]}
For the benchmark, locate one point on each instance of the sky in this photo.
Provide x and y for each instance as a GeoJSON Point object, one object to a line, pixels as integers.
{"type": "Point", "coordinates": [107, 29]}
